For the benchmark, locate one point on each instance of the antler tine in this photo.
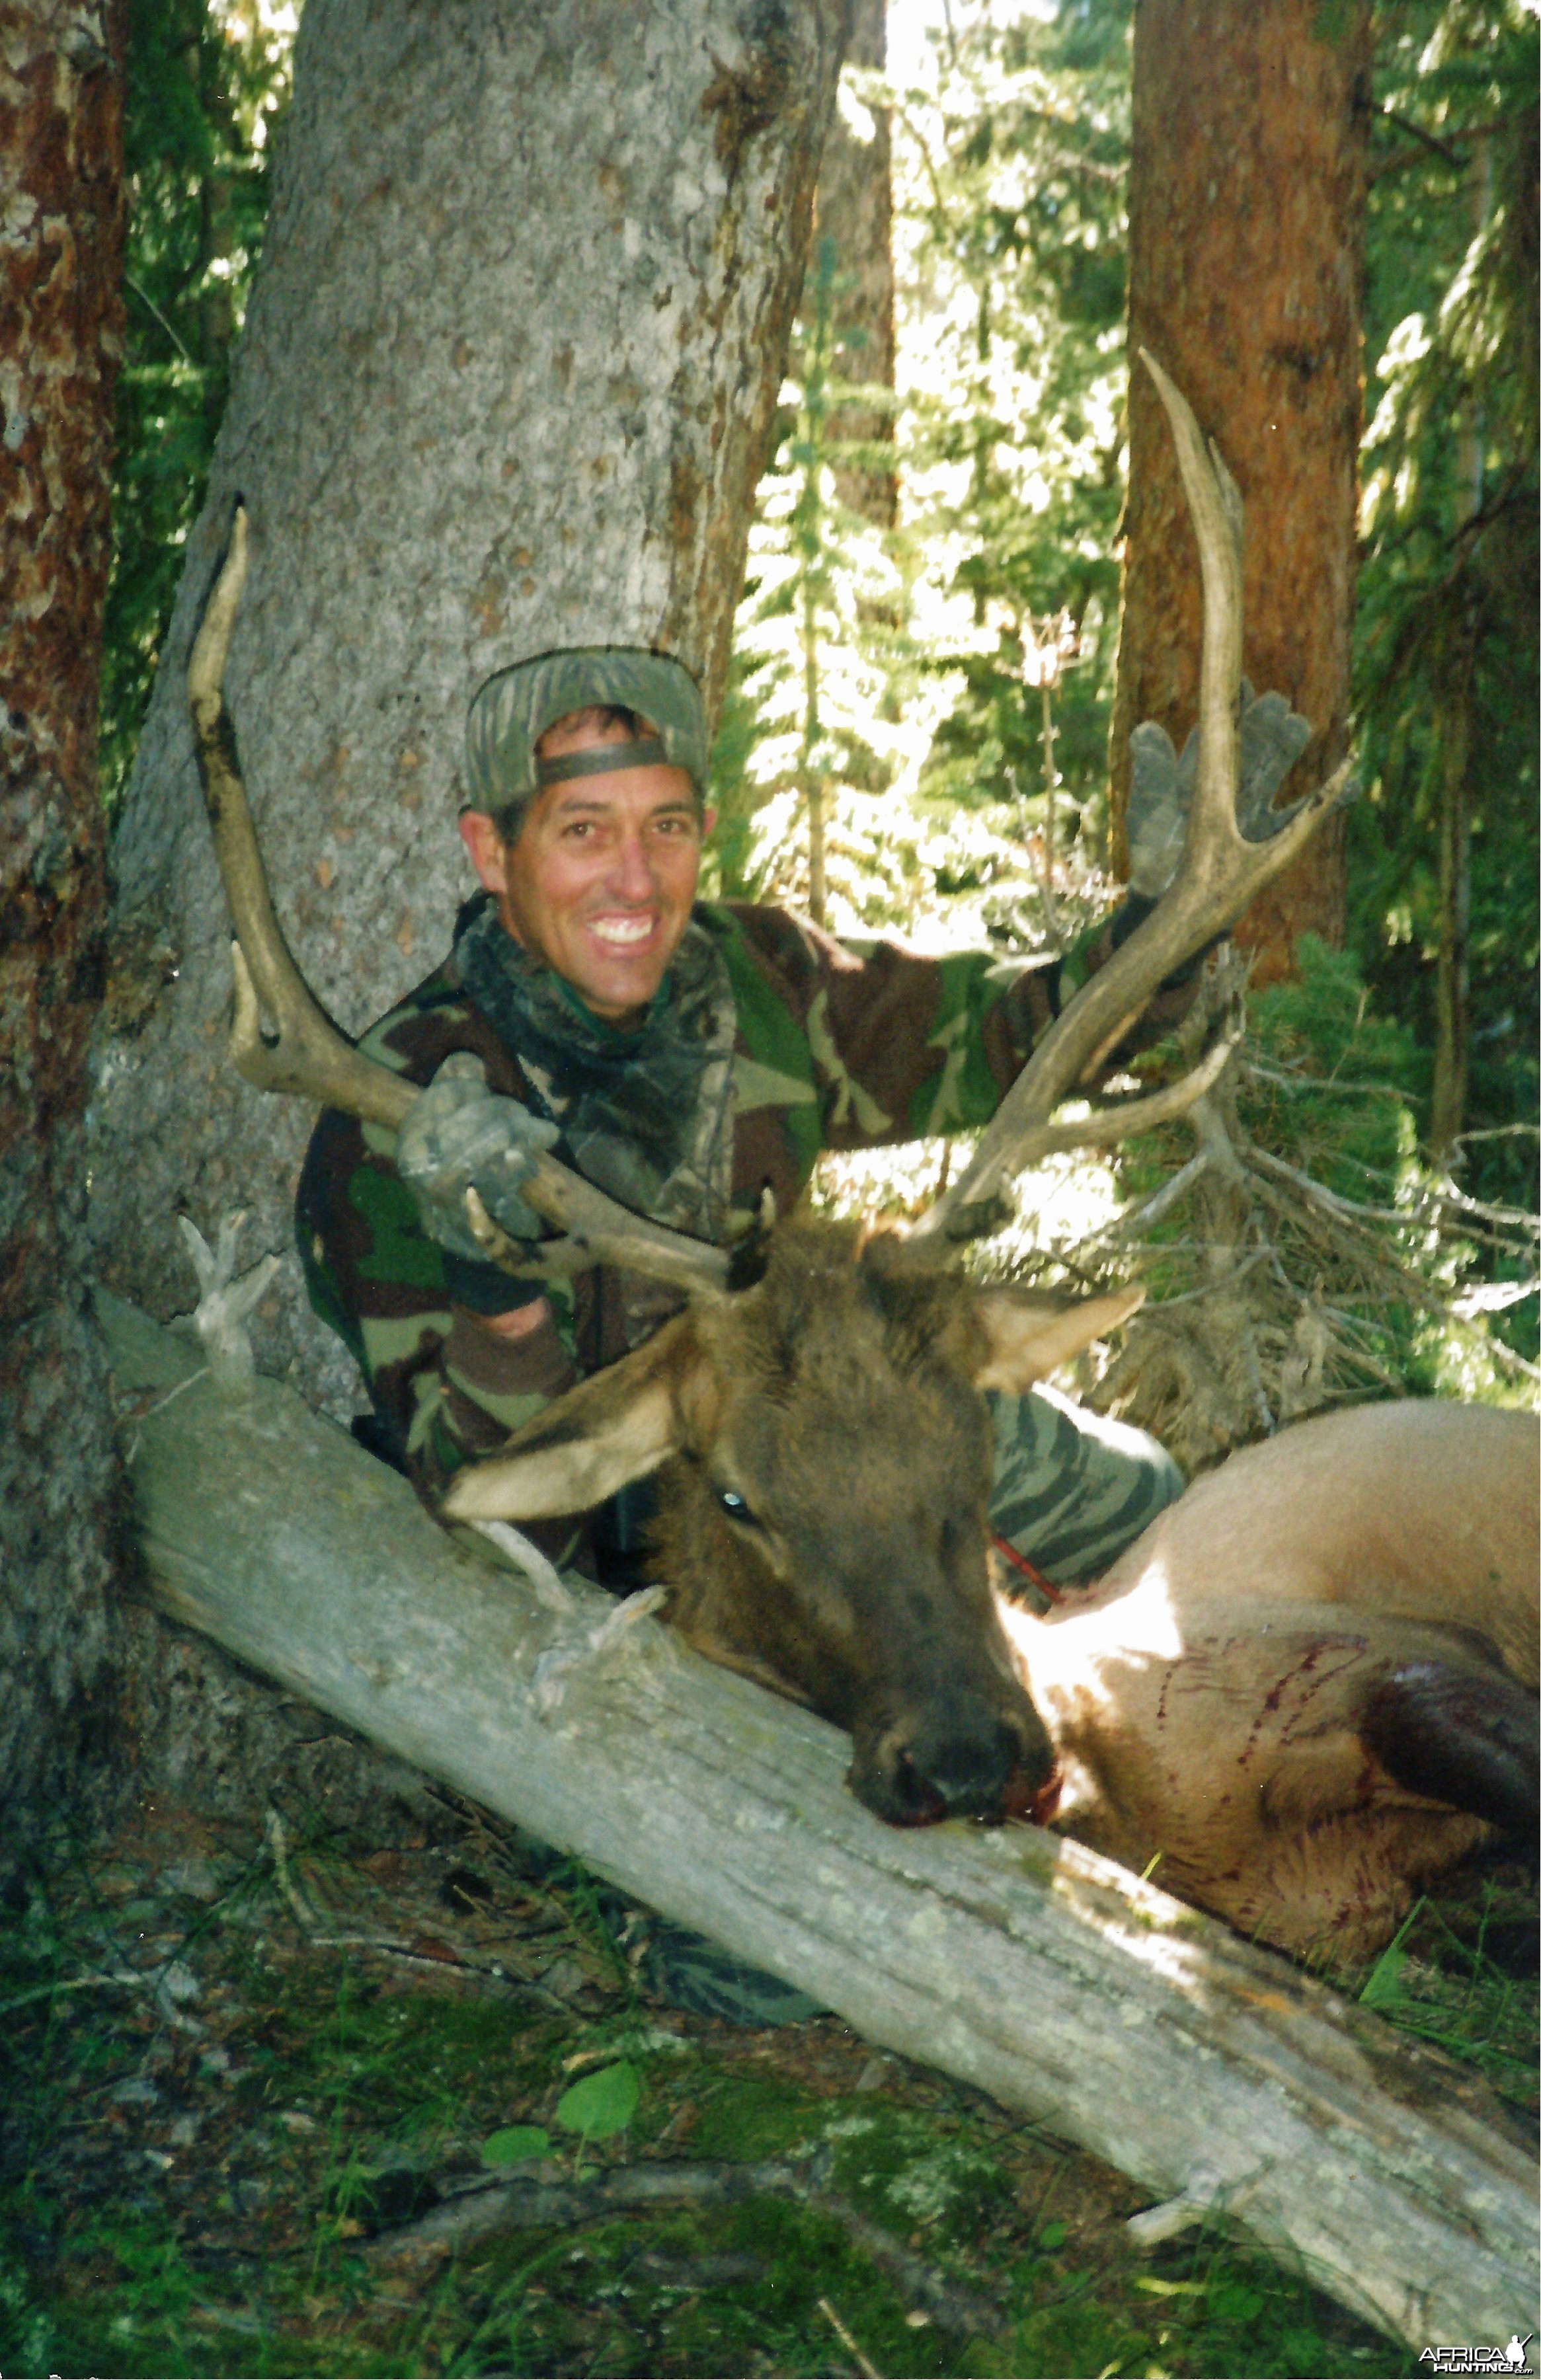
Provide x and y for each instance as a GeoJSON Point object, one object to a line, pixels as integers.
{"type": "Point", "coordinates": [306, 1054]}
{"type": "Point", "coordinates": [1221, 873]}
{"type": "Point", "coordinates": [1214, 502]}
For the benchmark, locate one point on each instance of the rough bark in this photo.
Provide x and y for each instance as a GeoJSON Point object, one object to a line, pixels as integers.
{"type": "Point", "coordinates": [511, 355]}
{"type": "Point", "coordinates": [61, 104]}
{"type": "Point", "coordinates": [854, 209]}
{"type": "Point", "coordinates": [1027, 1966]}
{"type": "Point", "coordinates": [1246, 214]}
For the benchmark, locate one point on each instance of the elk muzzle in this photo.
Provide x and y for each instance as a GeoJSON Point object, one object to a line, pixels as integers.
{"type": "Point", "coordinates": [957, 1755]}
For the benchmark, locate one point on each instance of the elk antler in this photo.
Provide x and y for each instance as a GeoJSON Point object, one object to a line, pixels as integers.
{"type": "Point", "coordinates": [306, 1053]}
{"type": "Point", "coordinates": [1221, 873]}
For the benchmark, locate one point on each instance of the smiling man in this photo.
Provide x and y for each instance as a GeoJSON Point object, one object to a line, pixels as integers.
{"type": "Point", "coordinates": [683, 1055]}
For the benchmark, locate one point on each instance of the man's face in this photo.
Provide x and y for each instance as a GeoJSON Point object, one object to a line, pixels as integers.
{"type": "Point", "coordinates": [600, 881]}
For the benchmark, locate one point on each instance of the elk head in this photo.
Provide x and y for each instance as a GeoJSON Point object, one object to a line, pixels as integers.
{"type": "Point", "coordinates": [823, 1512]}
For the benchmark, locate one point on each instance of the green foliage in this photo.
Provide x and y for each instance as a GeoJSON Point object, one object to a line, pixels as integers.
{"type": "Point", "coordinates": [1446, 639]}
{"type": "Point", "coordinates": [201, 2203]}
{"type": "Point", "coordinates": [206, 81]}
{"type": "Point", "coordinates": [824, 669]}
{"type": "Point", "coordinates": [1445, 1986]}
{"type": "Point", "coordinates": [1335, 1091]}
{"type": "Point", "coordinates": [1014, 249]}
{"type": "Point", "coordinates": [601, 2105]}
{"type": "Point", "coordinates": [512, 2142]}
{"type": "Point", "coordinates": [881, 671]}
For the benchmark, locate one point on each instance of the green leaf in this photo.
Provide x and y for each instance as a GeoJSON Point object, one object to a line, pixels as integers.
{"type": "Point", "coordinates": [601, 2104]}
{"type": "Point", "coordinates": [1232, 2301]}
{"type": "Point", "coordinates": [515, 2142]}
{"type": "Point", "coordinates": [1053, 2235]}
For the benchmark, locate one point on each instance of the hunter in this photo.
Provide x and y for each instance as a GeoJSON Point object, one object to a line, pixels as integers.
{"type": "Point", "coordinates": [685, 1055]}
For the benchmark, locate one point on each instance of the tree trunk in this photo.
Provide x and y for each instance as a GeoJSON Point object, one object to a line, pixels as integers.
{"type": "Point", "coordinates": [1246, 220]}
{"type": "Point", "coordinates": [61, 109]}
{"type": "Point", "coordinates": [1073, 1991]}
{"type": "Point", "coordinates": [855, 211]}
{"type": "Point", "coordinates": [511, 355]}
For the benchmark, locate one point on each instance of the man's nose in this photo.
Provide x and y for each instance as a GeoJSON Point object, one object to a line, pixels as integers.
{"type": "Point", "coordinates": [632, 873]}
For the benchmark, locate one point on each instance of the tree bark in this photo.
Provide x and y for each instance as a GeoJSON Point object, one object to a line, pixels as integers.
{"type": "Point", "coordinates": [61, 107]}
{"type": "Point", "coordinates": [511, 355]}
{"type": "Point", "coordinates": [855, 211]}
{"type": "Point", "coordinates": [1023, 1964]}
{"type": "Point", "coordinates": [1246, 227]}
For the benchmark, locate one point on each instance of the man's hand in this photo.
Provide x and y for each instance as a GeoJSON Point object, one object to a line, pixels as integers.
{"type": "Point", "coordinates": [1161, 785]}
{"type": "Point", "coordinates": [461, 1137]}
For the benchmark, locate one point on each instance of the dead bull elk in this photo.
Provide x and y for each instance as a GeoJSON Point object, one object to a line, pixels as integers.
{"type": "Point", "coordinates": [1311, 1684]}
{"type": "Point", "coordinates": [827, 1449]}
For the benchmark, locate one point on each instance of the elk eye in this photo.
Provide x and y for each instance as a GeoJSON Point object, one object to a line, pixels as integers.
{"type": "Point", "coordinates": [733, 1504]}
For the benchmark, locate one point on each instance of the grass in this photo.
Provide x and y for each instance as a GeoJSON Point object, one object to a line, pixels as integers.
{"type": "Point", "coordinates": [199, 2159]}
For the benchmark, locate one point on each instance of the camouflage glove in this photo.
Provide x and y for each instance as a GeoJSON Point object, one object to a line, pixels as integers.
{"type": "Point", "coordinates": [461, 1137]}
{"type": "Point", "coordinates": [1161, 785]}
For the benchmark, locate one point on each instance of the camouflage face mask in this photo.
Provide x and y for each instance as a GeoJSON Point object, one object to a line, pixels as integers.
{"type": "Point", "coordinates": [510, 713]}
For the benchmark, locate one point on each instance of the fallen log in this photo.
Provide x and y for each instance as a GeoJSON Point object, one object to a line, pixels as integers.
{"type": "Point", "coordinates": [1211, 2071]}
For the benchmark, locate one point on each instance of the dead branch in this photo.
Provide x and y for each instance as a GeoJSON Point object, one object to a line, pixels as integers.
{"type": "Point", "coordinates": [540, 2195]}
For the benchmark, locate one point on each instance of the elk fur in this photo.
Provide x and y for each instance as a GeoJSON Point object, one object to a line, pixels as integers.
{"type": "Point", "coordinates": [1308, 1687]}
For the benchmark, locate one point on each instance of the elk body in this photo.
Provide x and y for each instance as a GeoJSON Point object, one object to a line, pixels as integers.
{"type": "Point", "coordinates": [1310, 1685]}
{"type": "Point", "coordinates": [1307, 1687]}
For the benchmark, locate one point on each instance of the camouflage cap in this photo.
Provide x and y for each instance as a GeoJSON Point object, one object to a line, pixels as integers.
{"type": "Point", "coordinates": [510, 713]}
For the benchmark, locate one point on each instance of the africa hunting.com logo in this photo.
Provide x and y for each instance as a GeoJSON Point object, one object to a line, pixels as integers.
{"type": "Point", "coordinates": [1512, 2358]}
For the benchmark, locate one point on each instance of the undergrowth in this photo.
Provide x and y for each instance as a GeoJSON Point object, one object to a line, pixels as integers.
{"type": "Point", "coordinates": [239, 2090]}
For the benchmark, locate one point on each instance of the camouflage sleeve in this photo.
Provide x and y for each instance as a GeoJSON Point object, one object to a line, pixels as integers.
{"type": "Point", "coordinates": [901, 1043]}
{"type": "Point", "coordinates": [893, 1043]}
{"type": "Point", "coordinates": [444, 1386]}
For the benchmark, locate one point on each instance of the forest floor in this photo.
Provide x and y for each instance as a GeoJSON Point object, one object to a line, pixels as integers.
{"type": "Point", "coordinates": [281, 2101]}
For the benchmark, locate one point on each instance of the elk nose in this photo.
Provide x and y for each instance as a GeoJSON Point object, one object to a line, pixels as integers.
{"type": "Point", "coordinates": [960, 1763]}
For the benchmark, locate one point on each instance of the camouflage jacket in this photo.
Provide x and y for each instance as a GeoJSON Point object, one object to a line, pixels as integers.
{"type": "Point", "coordinates": [819, 1044]}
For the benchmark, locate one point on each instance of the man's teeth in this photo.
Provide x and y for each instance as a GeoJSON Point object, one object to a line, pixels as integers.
{"type": "Point", "coordinates": [621, 930]}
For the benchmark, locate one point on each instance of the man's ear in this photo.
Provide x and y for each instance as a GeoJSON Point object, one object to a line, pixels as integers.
{"type": "Point", "coordinates": [485, 845]}
{"type": "Point", "coordinates": [613, 1428]}
{"type": "Point", "coordinates": [1030, 1332]}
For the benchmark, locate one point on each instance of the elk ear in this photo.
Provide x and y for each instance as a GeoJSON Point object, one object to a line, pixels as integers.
{"type": "Point", "coordinates": [608, 1430]}
{"type": "Point", "coordinates": [1029, 1332]}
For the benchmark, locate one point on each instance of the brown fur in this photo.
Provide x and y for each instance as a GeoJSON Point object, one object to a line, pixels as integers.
{"type": "Point", "coordinates": [837, 1401]}
{"type": "Point", "coordinates": [1215, 1701]}
{"type": "Point", "coordinates": [1270, 1696]}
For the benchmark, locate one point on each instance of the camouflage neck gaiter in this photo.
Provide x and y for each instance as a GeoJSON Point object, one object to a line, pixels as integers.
{"type": "Point", "coordinates": [647, 1116]}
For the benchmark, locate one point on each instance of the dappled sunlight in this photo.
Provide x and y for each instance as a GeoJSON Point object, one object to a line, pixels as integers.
{"type": "Point", "coordinates": [1131, 1630]}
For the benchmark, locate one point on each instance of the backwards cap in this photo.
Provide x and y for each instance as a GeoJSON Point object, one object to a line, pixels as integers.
{"type": "Point", "coordinates": [510, 713]}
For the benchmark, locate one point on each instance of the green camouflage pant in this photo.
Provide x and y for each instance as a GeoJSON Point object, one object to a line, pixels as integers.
{"type": "Point", "coordinates": [1073, 1489]}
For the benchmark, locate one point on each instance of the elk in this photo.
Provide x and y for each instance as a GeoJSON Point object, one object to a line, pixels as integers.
{"type": "Point", "coordinates": [824, 1449]}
